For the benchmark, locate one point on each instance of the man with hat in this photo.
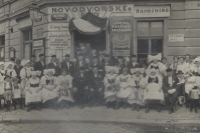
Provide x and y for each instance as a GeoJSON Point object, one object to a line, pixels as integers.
{"type": "Point", "coordinates": [53, 65]}
{"type": "Point", "coordinates": [40, 65]}
{"type": "Point", "coordinates": [170, 88]}
{"type": "Point", "coordinates": [81, 84]}
{"type": "Point", "coordinates": [68, 65]}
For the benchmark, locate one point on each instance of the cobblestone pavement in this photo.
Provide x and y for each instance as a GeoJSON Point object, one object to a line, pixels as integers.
{"type": "Point", "coordinates": [68, 128]}
{"type": "Point", "coordinates": [100, 113]}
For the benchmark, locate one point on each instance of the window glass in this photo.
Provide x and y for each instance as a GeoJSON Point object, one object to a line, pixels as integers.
{"type": "Point", "coordinates": [143, 29]}
{"type": "Point", "coordinates": [156, 29]}
{"type": "Point", "coordinates": [156, 46]}
{"type": "Point", "coordinates": [143, 46]}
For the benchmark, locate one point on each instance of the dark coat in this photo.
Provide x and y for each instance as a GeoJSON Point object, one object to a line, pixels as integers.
{"type": "Point", "coordinates": [39, 67]}
{"type": "Point", "coordinates": [120, 67]}
{"type": "Point", "coordinates": [77, 67]}
{"type": "Point", "coordinates": [80, 82]}
{"type": "Point", "coordinates": [70, 69]}
{"type": "Point", "coordinates": [52, 66]}
{"type": "Point", "coordinates": [17, 70]}
{"type": "Point", "coordinates": [96, 82]}
{"type": "Point", "coordinates": [166, 85]}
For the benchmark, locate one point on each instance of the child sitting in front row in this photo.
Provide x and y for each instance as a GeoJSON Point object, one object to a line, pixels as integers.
{"type": "Point", "coordinates": [7, 92]}
{"type": "Point", "coordinates": [16, 93]}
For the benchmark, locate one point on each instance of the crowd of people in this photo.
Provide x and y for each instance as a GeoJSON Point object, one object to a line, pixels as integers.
{"type": "Point", "coordinates": [101, 80]}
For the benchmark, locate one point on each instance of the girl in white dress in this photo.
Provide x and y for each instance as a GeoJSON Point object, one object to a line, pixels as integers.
{"type": "Point", "coordinates": [33, 91]}
{"type": "Point", "coordinates": [50, 87]}
{"type": "Point", "coordinates": [124, 86]}
{"type": "Point", "coordinates": [66, 89]}
{"type": "Point", "coordinates": [110, 91]}
{"type": "Point", "coordinates": [136, 96]}
{"type": "Point", "coordinates": [7, 85]}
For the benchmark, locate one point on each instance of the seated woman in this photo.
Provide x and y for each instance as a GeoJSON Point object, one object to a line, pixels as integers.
{"type": "Point", "coordinates": [66, 89]}
{"type": "Point", "coordinates": [136, 96]}
{"type": "Point", "coordinates": [153, 94]}
{"type": "Point", "coordinates": [50, 87]}
{"type": "Point", "coordinates": [33, 91]}
{"type": "Point", "coordinates": [9, 69]}
{"type": "Point", "coordinates": [110, 91]}
{"type": "Point", "coordinates": [189, 85]}
{"type": "Point", "coordinates": [124, 85]}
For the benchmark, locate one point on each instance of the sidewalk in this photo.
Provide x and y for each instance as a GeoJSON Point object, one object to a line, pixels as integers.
{"type": "Point", "coordinates": [101, 114]}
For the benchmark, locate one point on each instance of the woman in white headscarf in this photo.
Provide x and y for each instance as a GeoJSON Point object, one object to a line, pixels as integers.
{"type": "Point", "coordinates": [9, 69]}
{"type": "Point", "coordinates": [156, 64]}
{"type": "Point", "coordinates": [33, 91]}
{"type": "Point", "coordinates": [25, 74]}
{"type": "Point", "coordinates": [153, 94]}
{"type": "Point", "coordinates": [50, 87]}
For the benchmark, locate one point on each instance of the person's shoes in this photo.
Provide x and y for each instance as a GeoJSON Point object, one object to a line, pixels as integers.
{"type": "Point", "coordinates": [81, 106]}
{"type": "Point", "coordinates": [147, 110]}
{"type": "Point", "coordinates": [158, 109]}
{"type": "Point", "coordinates": [133, 108]}
{"type": "Point", "coordinates": [28, 109]}
{"type": "Point", "coordinates": [138, 108]}
{"type": "Point", "coordinates": [170, 111]}
{"type": "Point", "coordinates": [61, 106]}
{"type": "Point", "coordinates": [67, 106]}
{"type": "Point", "coordinates": [124, 106]}
{"type": "Point", "coordinates": [38, 107]}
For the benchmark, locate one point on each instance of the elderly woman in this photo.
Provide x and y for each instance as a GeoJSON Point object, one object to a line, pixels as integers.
{"type": "Point", "coordinates": [124, 85]}
{"type": "Point", "coordinates": [66, 89]}
{"type": "Point", "coordinates": [110, 91]}
{"type": "Point", "coordinates": [136, 96]}
{"type": "Point", "coordinates": [153, 94]}
{"type": "Point", "coordinates": [50, 87]}
{"type": "Point", "coordinates": [33, 91]}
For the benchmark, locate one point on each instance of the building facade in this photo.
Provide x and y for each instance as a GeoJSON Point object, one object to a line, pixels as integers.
{"type": "Point", "coordinates": [141, 27]}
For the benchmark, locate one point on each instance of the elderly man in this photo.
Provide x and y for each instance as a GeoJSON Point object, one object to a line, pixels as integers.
{"type": "Point", "coordinates": [170, 88]}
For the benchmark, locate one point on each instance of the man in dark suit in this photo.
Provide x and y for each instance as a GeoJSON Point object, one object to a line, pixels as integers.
{"type": "Point", "coordinates": [170, 88]}
{"type": "Point", "coordinates": [79, 63]}
{"type": "Point", "coordinates": [134, 63]}
{"type": "Point", "coordinates": [33, 58]}
{"type": "Point", "coordinates": [53, 65]}
{"type": "Point", "coordinates": [68, 65]}
{"type": "Point", "coordinates": [96, 87]}
{"type": "Point", "coordinates": [40, 65]}
{"type": "Point", "coordinates": [81, 84]}
{"type": "Point", "coordinates": [120, 65]}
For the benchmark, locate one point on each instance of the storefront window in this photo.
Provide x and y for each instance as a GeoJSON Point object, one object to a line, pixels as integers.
{"type": "Point", "coordinates": [150, 39]}
{"type": "Point", "coordinates": [2, 48]}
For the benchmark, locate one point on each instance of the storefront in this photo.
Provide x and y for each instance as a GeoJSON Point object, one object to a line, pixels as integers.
{"type": "Point", "coordinates": [116, 28]}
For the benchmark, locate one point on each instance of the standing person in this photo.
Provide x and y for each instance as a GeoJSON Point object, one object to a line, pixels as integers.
{"type": "Point", "coordinates": [17, 69]}
{"type": "Point", "coordinates": [16, 96]}
{"type": "Point", "coordinates": [50, 87]}
{"type": "Point", "coordinates": [124, 85]}
{"type": "Point", "coordinates": [120, 64]}
{"type": "Point", "coordinates": [182, 65]}
{"type": "Point", "coordinates": [174, 64]}
{"type": "Point", "coordinates": [170, 88]}
{"type": "Point", "coordinates": [7, 92]}
{"type": "Point", "coordinates": [96, 87]}
{"type": "Point", "coordinates": [33, 60]}
{"type": "Point", "coordinates": [40, 65]}
{"type": "Point", "coordinates": [187, 59]}
{"type": "Point", "coordinates": [53, 65]}
{"type": "Point", "coordinates": [66, 89]}
{"type": "Point", "coordinates": [88, 66]}
{"type": "Point", "coordinates": [194, 98]}
{"type": "Point", "coordinates": [134, 63]}
{"type": "Point", "coordinates": [127, 64]}
{"type": "Point", "coordinates": [136, 96]}
{"type": "Point", "coordinates": [68, 65]}
{"type": "Point", "coordinates": [95, 63]}
{"type": "Point", "coordinates": [79, 63]}
{"type": "Point", "coordinates": [164, 61]}
{"type": "Point", "coordinates": [81, 84]}
{"type": "Point", "coordinates": [33, 91]}
{"type": "Point", "coordinates": [110, 91]}
{"type": "Point", "coordinates": [12, 60]}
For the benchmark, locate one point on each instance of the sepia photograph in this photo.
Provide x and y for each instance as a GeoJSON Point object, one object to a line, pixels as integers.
{"type": "Point", "coordinates": [99, 66]}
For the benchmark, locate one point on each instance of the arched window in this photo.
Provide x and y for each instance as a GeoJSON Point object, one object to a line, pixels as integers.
{"type": "Point", "coordinates": [12, 52]}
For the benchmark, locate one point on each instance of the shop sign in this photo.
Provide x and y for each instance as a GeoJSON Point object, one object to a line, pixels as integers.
{"type": "Point", "coordinates": [121, 32]}
{"type": "Point", "coordinates": [151, 11]}
{"type": "Point", "coordinates": [98, 10]}
{"type": "Point", "coordinates": [176, 37]}
{"type": "Point", "coordinates": [37, 43]}
{"type": "Point", "coordinates": [58, 40]}
{"type": "Point", "coordinates": [60, 16]}
{"type": "Point", "coordinates": [58, 26]}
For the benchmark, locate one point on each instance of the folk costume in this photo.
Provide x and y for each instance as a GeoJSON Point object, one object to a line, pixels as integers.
{"type": "Point", "coordinates": [136, 96]}
{"type": "Point", "coordinates": [50, 87]}
{"type": "Point", "coordinates": [7, 85]}
{"type": "Point", "coordinates": [16, 90]}
{"type": "Point", "coordinates": [158, 66]}
{"type": "Point", "coordinates": [33, 90]}
{"type": "Point", "coordinates": [66, 92]}
{"type": "Point", "coordinates": [110, 91]}
{"type": "Point", "coordinates": [153, 94]}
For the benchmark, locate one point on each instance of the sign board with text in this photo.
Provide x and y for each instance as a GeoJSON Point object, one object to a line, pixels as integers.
{"type": "Point", "coordinates": [151, 11]}
{"type": "Point", "coordinates": [58, 26]}
{"type": "Point", "coordinates": [176, 37]}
